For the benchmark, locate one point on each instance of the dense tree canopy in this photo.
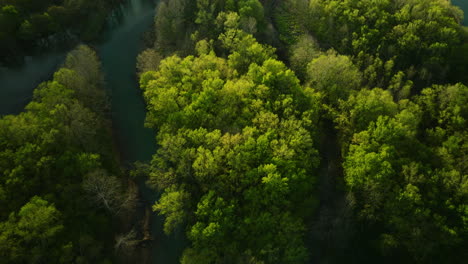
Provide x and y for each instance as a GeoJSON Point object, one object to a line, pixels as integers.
{"type": "Point", "coordinates": [45, 154]}
{"type": "Point", "coordinates": [221, 114]}
{"type": "Point", "coordinates": [406, 166]}
{"type": "Point", "coordinates": [237, 159]}
{"type": "Point", "coordinates": [377, 86]}
{"type": "Point", "coordinates": [179, 24]}
{"type": "Point", "coordinates": [334, 75]}
{"type": "Point", "coordinates": [34, 229]}
{"type": "Point", "coordinates": [385, 37]}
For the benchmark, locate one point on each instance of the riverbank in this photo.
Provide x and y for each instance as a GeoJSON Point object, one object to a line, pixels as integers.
{"type": "Point", "coordinates": [24, 72]}
{"type": "Point", "coordinates": [135, 142]}
{"type": "Point", "coordinates": [30, 29]}
{"type": "Point", "coordinates": [118, 49]}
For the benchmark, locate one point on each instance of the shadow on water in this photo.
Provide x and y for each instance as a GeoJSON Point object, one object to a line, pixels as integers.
{"type": "Point", "coordinates": [17, 83]}
{"type": "Point", "coordinates": [119, 47]}
{"type": "Point", "coordinates": [118, 55]}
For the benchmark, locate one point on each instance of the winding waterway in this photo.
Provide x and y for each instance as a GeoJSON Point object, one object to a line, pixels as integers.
{"type": "Point", "coordinates": [118, 52]}
{"type": "Point", "coordinates": [118, 55]}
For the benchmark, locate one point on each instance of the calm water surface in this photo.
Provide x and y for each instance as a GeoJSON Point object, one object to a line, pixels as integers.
{"type": "Point", "coordinates": [118, 52]}
{"type": "Point", "coordinates": [17, 83]}
{"type": "Point", "coordinates": [118, 55]}
{"type": "Point", "coordinates": [463, 4]}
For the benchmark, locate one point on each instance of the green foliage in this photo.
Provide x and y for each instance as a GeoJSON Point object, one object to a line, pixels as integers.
{"type": "Point", "coordinates": [302, 53]}
{"type": "Point", "coordinates": [407, 170]}
{"type": "Point", "coordinates": [34, 229]}
{"type": "Point", "coordinates": [148, 60]}
{"type": "Point", "coordinates": [171, 26]}
{"type": "Point", "coordinates": [237, 131]}
{"type": "Point", "coordinates": [251, 15]}
{"type": "Point", "coordinates": [25, 25]}
{"type": "Point", "coordinates": [418, 36]}
{"type": "Point", "coordinates": [361, 109]}
{"type": "Point", "coordinates": [334, 75]}
{"type": "Point", "coordinates": [46, 151]}
{"type": "Point", "coordinates": [244, 50]}
{"type": "Point", "coordinates": [237, 160]}
{"type": "Point", "coordinates": [447, 107]}
{"type": "Point", "coordinates": [180, 24]}
{"type": "Point", "coordinates": [291, 18]}
{"type": "Point", "coordinates": [236, 157]}
{"type": "Point", "coordinates": [171, 204]}
{"type": "Point", "coordinates": [445, 120]}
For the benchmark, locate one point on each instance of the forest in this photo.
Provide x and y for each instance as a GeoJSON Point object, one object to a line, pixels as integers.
{"type": "Point", "coordinates": [286, 132]}
{"type": "Point", "coordinates": [57, 163]}
{"type": "Point", "coordinates": [26, 25]}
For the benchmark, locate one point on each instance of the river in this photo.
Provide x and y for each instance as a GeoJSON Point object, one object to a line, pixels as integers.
{"type": "Point", "coordinates": [18, 83]}
{"type": "Point", "coordinates": [118, 54]}
{"type": "Point", "coordinates": [118, 50]}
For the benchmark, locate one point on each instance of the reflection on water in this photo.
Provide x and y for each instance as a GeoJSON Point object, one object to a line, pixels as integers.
{"type": "Point", "coordinates": [118, 50]}
{"type": "Point", "coordinates": [17, 84]}
{"type": "Point", "coordinates": [118, 55]}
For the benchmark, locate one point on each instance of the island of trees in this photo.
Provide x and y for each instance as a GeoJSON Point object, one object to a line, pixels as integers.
{"type": "Point", "coordinates": [287, 132]}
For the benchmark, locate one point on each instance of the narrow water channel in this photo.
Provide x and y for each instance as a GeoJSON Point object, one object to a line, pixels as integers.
{"type": "Point", "coordinates": [118, 51]}
{"type": "Point", "coordinates": [137, 143]}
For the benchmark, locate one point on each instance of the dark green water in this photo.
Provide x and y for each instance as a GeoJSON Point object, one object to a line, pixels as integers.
{"type": "Point", "coordinates": [17, 83]}
{"type": "Point", "coordinates": [118, 52]}
{"type": "Point", "coordinates": [463, 4]}
{"type": "Point", "coordinates": [118, 55]}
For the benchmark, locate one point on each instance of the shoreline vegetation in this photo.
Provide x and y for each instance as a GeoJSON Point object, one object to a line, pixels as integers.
{"type": "Point", "coordinates": [59, 154]}
{"type": "Point", "coordinates": [64, 194]}
{"type": "Point", "coordinates": [31, 27]}
{"type": "Point", "coordinates": [293, 132]}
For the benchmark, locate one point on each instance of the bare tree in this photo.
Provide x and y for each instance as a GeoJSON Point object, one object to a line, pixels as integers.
{"type": "Point", "coordinates": [106, 191]}
{"type": "Point", "coordinates": [126, 242]}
